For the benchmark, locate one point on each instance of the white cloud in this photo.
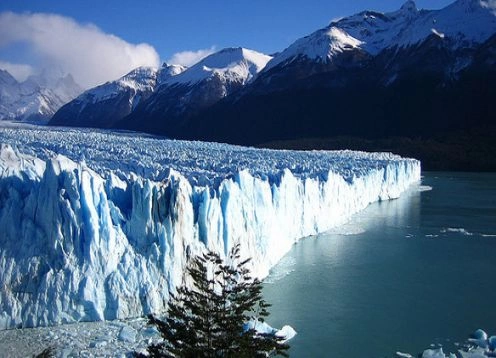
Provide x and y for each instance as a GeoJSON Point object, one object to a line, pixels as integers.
{"type": "Point", "coordinates": [19, 71]}
{"type": "Point", "coordinates": [189, 58]}
{"type": "Point", "coordinates": [85, 51]}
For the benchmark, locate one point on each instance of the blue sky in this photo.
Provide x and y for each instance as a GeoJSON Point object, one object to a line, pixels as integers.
{"type": "Point", "coordinates": [172, 27]}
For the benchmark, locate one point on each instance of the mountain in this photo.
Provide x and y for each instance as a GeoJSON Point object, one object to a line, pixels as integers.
{"type": "Point", "coordinates": [416, 82]}
{"type": "Point", "coordinates": [187, 94]}
{"type": "Point", "coordinates": [148, 100]}
{"type": "Point", "coordinates": [37, 98]}
{"type": "Point", "coordinates": [410, 74]}
{"type": "Point", "coordinates": [106, 104]}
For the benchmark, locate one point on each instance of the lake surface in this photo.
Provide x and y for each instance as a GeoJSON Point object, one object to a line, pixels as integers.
{"type": "Point", "coordinates": [400, 276]}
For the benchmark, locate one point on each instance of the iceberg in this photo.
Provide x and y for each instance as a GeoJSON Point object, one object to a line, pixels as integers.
{"type": "Point", "coordinates": [98, 226]}
{"type": "Point", "coordinates": [261, 327]}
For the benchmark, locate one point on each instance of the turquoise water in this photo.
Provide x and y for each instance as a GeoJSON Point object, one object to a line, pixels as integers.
{"type": "Point", "coordinates": [400, 276]}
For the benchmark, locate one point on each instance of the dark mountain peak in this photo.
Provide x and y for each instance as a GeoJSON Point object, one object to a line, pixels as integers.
{"type": "Point", "coordinates": [6, 78]}
{"type": "Point", "coordinates": [409, 6]}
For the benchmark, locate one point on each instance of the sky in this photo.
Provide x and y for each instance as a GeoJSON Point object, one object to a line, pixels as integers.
{"type": "Point", "coordinates": [97, 40]}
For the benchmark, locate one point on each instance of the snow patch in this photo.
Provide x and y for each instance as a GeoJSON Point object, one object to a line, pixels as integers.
{"type": "Point", "coordinates": [437, 33]}
{"type": "Point", "coordinates": [423, 188]}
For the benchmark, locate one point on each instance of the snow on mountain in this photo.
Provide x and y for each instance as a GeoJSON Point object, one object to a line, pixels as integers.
{"type": "Point", "coordinates": [108, 103]}
{"type": "Point", "coordinates": [167, 71]}
{"type": "Point", "coordinates": [195, 89]}
{"type": "Point", "coordinates": [463, 22]}
{"type": "Point", "coordinates": [414, 73]}
{"type": "Point", "coordinates": [233, 64]}
{"type": "Point", "coordinates": [322, 45]}
{"type": "Point", "coordinates": [173, 91]}
{"type": "Point", "coordinates": [138, 81]}
{"type": "Point", "coordinates": [37, 98]}
{"type": "Point", "coordinates": [105, 223]}
{"type": "Point", "coordinates": [141, 79]}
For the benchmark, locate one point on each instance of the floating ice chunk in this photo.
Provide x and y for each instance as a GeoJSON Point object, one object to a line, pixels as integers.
{"type": "Point", "coordinates": [286, 332]}
{"type": "Point", "coordinates": [457, 230]}
{"type": "Point", "coordinates": [480, 334]}
{"type": "Point", "coordinates": [474, 353]}
{"type": "Point", "coordinates": [436, 353]}
{"type": "Point", "coordinates": [479, 338]}
{"type": "Point", "coordinates": [403, 355]}
{"type": "Point", "coordinates": [423, 188]}
{"type": "Point", "coordinates": [259, 327]}
{"type": "Point", "coordinates": [492, 343]}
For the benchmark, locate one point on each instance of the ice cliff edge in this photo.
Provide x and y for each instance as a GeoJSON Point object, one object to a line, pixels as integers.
{"type": "Point", "coordinates": [80, 242]}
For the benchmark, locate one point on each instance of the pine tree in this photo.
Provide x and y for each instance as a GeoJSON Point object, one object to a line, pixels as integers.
{"type": "Point", "coordinates": [206, 318]}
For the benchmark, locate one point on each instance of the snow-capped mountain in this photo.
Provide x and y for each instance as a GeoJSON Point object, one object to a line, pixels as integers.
{"type": "Point", "coordinates": [409, 73]}
{"type": "Point", "coordinates": [230, 65]}
{"type": "Point", "coordinates": [464, 23]}
{"type": "Point", "coordinates": [137, 99]}
{"type": "Point", "coordinates": [200, 86]}
{"type": "Point", "coordinates": [108, 103]}
{"type": "Point", "coordinates": [37, 98]}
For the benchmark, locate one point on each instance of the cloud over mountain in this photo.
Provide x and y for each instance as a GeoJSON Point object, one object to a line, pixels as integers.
{"type": "Point", "coordinates": [89, 54]}
{"type": "Point", "coordinates": [189, 58]}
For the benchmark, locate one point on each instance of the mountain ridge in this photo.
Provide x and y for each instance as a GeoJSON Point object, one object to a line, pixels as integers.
{"type": "Point", "coordinates": [173, 89]}
{"type": "Point", "coordinates": [409, 73]}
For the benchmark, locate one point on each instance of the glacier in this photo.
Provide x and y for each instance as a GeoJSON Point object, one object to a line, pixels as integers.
{"type": "Point", "coordinates": [98, 225]}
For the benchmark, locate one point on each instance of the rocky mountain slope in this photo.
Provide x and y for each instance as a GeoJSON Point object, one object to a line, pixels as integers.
{"type": "Point", "coordinates": [108, 103]}
{"type": "Point", "coordinates": [147, 99]}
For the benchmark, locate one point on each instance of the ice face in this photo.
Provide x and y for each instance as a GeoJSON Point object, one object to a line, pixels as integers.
{"type": "Point", "coordinates": [97, 226]}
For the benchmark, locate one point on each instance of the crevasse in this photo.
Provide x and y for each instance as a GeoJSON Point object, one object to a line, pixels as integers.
{"type": "Point", "coordinates": [79, 244]}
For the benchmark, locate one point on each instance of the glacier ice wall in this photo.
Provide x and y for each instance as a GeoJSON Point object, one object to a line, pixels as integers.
{"type": "Point", "coordinates": [82, 241]}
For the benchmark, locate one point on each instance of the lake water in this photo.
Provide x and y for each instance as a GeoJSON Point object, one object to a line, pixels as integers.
{"type": "Point", "coordinates": [400, 276]}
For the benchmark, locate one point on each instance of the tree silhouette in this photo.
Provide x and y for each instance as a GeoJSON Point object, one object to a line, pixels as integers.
{"type": "Point", "coordinates": [208, 316]}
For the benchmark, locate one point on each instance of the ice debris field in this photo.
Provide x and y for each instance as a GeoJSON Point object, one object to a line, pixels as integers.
{"type": "Point", "coordinates": [99, 226]}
